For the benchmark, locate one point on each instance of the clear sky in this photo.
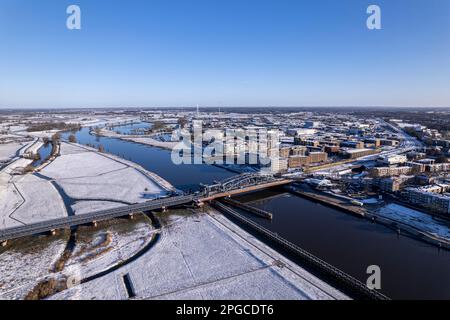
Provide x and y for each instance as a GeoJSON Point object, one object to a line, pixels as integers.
{"type": "Point", "coordinates": [158, 53]}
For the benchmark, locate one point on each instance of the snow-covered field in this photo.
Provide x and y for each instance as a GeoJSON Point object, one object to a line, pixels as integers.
{"type": "Point", "coordinates": [9, 150]}
{"type": "Point", "coordinates": [207, 257]}
{"type": "Point", "coordinates": [22, 268]}
{"type": "Point", "coordinates": [98, 181]}
{"type": "Point", "coordinates": [153, 142]}
{"type": "Point", "coordinates": [81, 180]}
{"type": "Point", "coordinates": [148, 140]}
{"type": "Point", "coordinates": [416, 218]}
{"type": "Point", "coordinates": [26, 264]}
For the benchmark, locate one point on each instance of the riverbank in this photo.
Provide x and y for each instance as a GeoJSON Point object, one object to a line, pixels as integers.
{"type": "Point", "coordinates": [414, 230]}
{"type": "Point", "coordinates": [142, 139]}
{"type": "Point", "coordinates": [205, 256]}
{"type": "Point", "coordinates": [70, 257]}
{"type": "Point", "coordinates": [80, 180]}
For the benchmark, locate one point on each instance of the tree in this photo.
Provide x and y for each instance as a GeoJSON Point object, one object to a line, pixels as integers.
{"type": "Point", "coordinates": [441, 159]}
{"type": "Point", "coordinates": [182, 122]}
{"type": "Point", "coordinates": [97, 131]}
{"type": "Point", "coordinates": [56, 137]}
{"type": "Point", "coordinates": [157, 125]}
{"type": "Point", "coordinates": [28, 169]}
{"type": "Point", "coordinates": [72, 138]}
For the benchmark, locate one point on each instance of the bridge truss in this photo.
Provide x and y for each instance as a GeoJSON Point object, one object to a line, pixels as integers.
{"type": "Point", "coordinates": [241, 181]}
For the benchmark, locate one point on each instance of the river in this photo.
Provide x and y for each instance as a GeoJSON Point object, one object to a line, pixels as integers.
{"type": "Point", "coordinates": [410, 269]}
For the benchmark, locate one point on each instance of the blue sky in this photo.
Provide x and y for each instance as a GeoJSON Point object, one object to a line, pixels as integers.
{"type": "Point", "coordinates": [161, 53]}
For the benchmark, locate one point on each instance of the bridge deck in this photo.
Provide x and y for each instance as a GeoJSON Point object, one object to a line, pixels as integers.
{"type": "Point", "coordinates": [67, 222]}
{"type": "Point", "coordinates": [244, 190]}
{"type": "Point", "coordinates": [72, 221]}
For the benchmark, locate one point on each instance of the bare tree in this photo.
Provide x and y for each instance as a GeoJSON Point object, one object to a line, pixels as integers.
{"type": "Point", "coordinates": [56, 137]}
{"type": "Point", "coordinates": [72, 138]}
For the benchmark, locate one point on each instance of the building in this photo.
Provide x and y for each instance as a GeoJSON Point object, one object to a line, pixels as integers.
{"type": "Point", "coordinates": [298, 150]}
{"type": "Point", "coordinates": [352, 144]}
{"type": "Point", "coordinates": [357, 153]}
{"type": "Point", "coordinates": [309, 143]}
{"type": "Point", "coordinates": [390, 171]}
{"type": "Point", "coordinates": [332, 149]}
{"type": "Point", "coordinates": [315, 157]}
{"type": "Point", "coordinates": [301, 132]}
{"type": "Point", "coordinates": [278, 165]}
{"type": "Point", "coordinates": [392, 160]}
{"type": "Point", "coordinates": [439, 167]}
{"type": "Point", "coordinates": [389, 142]}
{"type": "Point", "coordinates": [439, 203]}
{"type": "Point", "coordinates": [298, 161]}
{"type": "Point", "coordinates": [393, 184]}
{"type": "Point", "coordinates": [285, 152]}
{"type": "Point", "coordinates": [416, 167]}
{"type": "Point", "coordinates": [373, 141]}
{"type": "Point", "coordinates": [312, 124]}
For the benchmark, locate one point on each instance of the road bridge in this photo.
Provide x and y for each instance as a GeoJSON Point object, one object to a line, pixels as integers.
{"type": "Point", "coordinates": [93, 217]}
{"type": "Point", "coordinates": [235, 185]}
{"type": "Point", "coordinates": [243, 183]}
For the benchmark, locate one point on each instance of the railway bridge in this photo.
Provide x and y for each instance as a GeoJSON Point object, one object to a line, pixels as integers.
{"type": "Point", "coordinates": [235, 185]}
{"type": "Point", "coordinates": [243, 183]}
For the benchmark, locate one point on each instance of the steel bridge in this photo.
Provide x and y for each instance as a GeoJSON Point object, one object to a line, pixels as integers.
{"type": "Point", "coordinates": [93, 217]}
{"type": "Point", "coordinates": [238, 184]}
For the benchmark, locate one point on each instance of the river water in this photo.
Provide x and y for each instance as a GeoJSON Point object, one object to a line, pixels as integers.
{"type": "Point", "coordinates": [44, 152]}
{"type": "Point", "coordinates": [410, 269]}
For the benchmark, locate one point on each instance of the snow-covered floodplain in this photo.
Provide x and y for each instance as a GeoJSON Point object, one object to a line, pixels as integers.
{"type": "Point", "coordinates": [205, 256]}
{"type": "Point", "coordinates": [144, 139]}
{"type": "Point", "coordinates": [30, 261]}
{"type": "Point", "coordinates": [9, 150]}
{"type": "Point", "coordinates": [79, 181]}
{"type": "Point", "coordinates": [27, 263]}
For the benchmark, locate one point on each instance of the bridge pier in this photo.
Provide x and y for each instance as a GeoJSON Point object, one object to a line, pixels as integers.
{"type": "Point", "coordinates": [164, 209]}
{"type": "Point", "coordinates": [131, 216]}
{"type": "Point", "coordinates": [4, 243]}
{"type": "Point", "coordinates": [53, 232]}
{"type": "Point", "coordinates": [95, 224]}
{"type": "Point", "coordinates": [199, 204]}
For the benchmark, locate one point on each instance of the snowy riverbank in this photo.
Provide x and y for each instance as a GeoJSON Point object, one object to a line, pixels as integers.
{"type": "Point", "coordinates": [205, 256]}
{"type": "Point", "coordinates": [143, 139]}
{"type": "Point", "coordinates": [79, 181]}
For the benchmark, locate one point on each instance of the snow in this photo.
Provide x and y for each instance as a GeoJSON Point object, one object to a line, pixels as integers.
{"type": "Point", "coordinates": [30, 261]}
{"type": "Point", "coordinates": [82, 207]}
{"type": "Point", "coordinates": [153, 142]}
{"type": "Point", "coordinates": [22, 268]}
{"type": "Point", "coordinates": [112, 185]}
{"type": "Point", "coordinates": [8, 151]}
{"type": "Point", "coordinates": [91, 180]}
{"type": "Point", "coordinates": [83, 164]}
{"type": "Point", "coordinates": [9, 201]}
{"type": "Point", "coordinates": [207, 257]}
{"type": "Point", "coordinates": [85, 174]}
{"type": "Point", "coordinates": [89, 258]}
{"type": "Point", "coordinates": [416, 218]}
{"type": "Point", "coordinates": [42, 201]}
{"type": "Point", "coordinates": [148, 140]}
